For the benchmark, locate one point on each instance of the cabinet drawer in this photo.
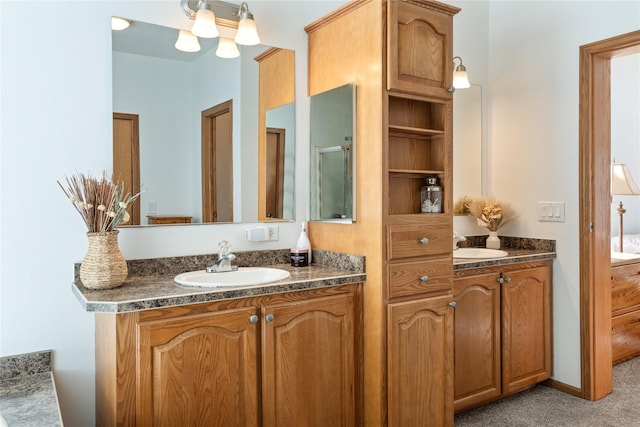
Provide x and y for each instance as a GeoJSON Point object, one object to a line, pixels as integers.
{"type": "Point", "coordinates": [434, 237]}
{"type": "Point", "coordinates": [414, 278]}
{"type": "Point", "coordinates": [625, 287]}
{"type": "Point", "coordinates": [625, 336]}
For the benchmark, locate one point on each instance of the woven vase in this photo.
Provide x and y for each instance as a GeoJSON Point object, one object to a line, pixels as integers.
{"type": "Point", "coordinates": [104, 266]}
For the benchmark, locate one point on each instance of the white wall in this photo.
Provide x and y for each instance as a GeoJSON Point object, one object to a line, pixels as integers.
{"type": "Point", "coordinates": [533, 139]}
{"type": "Point", "coordinates": [55, 118]}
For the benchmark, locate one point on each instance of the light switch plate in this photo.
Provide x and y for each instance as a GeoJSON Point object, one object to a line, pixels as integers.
{"type": "Point", "coordinates": [551, 211]}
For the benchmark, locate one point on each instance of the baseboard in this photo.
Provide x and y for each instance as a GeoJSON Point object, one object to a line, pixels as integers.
{"type": "Point", "coordinates": [566, 388]}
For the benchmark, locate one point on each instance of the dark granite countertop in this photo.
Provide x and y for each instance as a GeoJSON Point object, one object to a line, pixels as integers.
{"type": "Point", "coordinates": [27, 391]}
{"type": "Point", "coordinates": [154, 287]}
{"type": "Point", "coordinates": [518, 250]}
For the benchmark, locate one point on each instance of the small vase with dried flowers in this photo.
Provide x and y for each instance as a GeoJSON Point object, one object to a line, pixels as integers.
{"type": "Point", "coordinates": [492, 214]}
{"type": "Point", "coordinates": [102, 204]}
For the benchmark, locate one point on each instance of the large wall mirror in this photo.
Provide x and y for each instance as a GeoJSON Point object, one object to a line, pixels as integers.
{"type": "Point", "coordinates": [467, 142]}
{"type": "Point", "coordinates": [333, 155]}
{"type": "Point", "coordinates": [176, 101]}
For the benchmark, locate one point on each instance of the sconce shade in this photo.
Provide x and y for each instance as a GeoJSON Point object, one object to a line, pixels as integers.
{"type": "Point", "coordinates": [227, 48]}
{"type": "Point", "coordinates": [187, 42]}
{"type": "Point", "coordinates": [460, 77]}
{"type": "Point", "coordinates": [622, 184]}
{"type": "Point", "coordinates": [205, 24]}
{"type": "Point", "coordinates": [119, 24]}
{"type": "Point", "coordinates": [247, 33]}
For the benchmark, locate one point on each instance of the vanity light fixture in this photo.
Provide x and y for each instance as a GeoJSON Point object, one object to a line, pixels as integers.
{"type": "Point", "coordinates": [202, 11]}
{"type": "Point", "coordinates": [187, 42]}
{"type": "Point", "coordinates": [622, 184]}
{"type": "Point", "coordinates": [119, 24]}
{"type": "Point", "coordinates": [227, 48]}
{"type": "Point", "coordinates": [460, 77]}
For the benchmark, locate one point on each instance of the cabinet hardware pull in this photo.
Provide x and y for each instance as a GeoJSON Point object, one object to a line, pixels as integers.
{"type": "Point", "coordinates": [452, 304]}
{"type": "Point", "coordinates": [253, 319]}
{"type": "Point", "coordinates": [500, 280]}
{"type": "Point", "coordinates": [508, 279]}
{"type": "Point", "coordinates": [424, 241]}
{"type": "Point", "coordinates": [269, 317]}
{"type": "Point", "coordinates": [424, 278]}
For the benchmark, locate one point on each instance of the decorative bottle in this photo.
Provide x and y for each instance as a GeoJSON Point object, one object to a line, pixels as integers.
{"type": "Point", "coordinates": [301, 254]}
{"type": "Point", "coordinates": [431, 197]}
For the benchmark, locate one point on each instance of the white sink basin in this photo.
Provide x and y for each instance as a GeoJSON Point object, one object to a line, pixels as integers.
{"type": "Point", "coordinates": [244, 276]}
{"type": "Point", "coordinates": [478, 253]}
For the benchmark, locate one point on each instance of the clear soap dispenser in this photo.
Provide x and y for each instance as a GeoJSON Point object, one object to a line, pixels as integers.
{"type": "Point", "coordinates": [301, 254]}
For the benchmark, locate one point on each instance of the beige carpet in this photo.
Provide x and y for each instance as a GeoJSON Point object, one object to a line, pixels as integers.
{"type": "Point", "coordinates": [544, 406]}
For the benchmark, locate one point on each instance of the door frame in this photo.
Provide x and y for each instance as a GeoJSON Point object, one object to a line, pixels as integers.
{"type": "Point", "coordinates": [134, 164]}
{"type": "Point", "coordinates": [595, 208]}
{"type": "Point", "coordinates": [208, 160]}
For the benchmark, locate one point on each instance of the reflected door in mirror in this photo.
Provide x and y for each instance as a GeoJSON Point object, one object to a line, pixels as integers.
{"type": "Point", "coordinates": [217, 163]}
{"type": "Point", "coordinates": [275, 172]}
{"type": "Point", "coordinates": [126, 159]}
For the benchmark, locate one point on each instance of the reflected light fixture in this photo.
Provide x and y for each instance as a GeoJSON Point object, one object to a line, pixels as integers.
{"type": "Point", "coordinates": [119, 24]}
{"type": "Point", "coordinates": [247, 33]}
{"type": "Point", "coordinates": [187, 42]}
{"type": "Point", "coordinates": [227, 48]}
{"type": "Point", "coordinates": [622, 184]}
{"type": "Point", "coordinates": [205, 23]}
{"type": "Point", "coordinates": [460, 77]}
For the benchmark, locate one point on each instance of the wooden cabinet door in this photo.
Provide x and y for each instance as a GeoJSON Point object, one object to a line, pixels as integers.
{"type": "Point", "coordinates": [476, 346]}
{"type": "Point", "coordinates": [420, 363]}
{"type": "Point", "coordinates": [419, 49]}
{"type": "Point", "coordinates": [198, 370]}
{"type": "Point", "coordinates": [308, 363]}
{"type": "Point", "coordinates": [526, 328]}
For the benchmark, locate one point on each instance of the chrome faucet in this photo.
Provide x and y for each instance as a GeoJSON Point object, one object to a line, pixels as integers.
{"type": "Point", "coordinates": [457, 239]}
{"type": "Point", "coordinates": [224, 259]}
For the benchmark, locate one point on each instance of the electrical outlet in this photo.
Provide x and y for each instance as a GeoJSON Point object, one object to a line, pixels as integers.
{"type": "Point", "coordinates": [152, 208]}
{"type": "Point", "coordinates": [551, 211]}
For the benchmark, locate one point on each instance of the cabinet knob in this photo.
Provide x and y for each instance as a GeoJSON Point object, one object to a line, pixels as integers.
{"type": "Point", "coordinates": [452, 304]}
{"type": "Point", "coordinates": [424, 278]}
{"type": "Point", "coordinates": [508, 280]}
{"type": "Point", "coordinates": [500, 280]}
{"type": "Point", "coordinates": [253, 319]}
{"type": "Point", "coordinates": [424, 241]}
{"type": "Point", "coordinates": [269, 317]}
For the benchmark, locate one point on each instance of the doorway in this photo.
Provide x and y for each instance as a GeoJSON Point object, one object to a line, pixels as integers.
{"type": "Point", "coordinates": [126, 159]}
{"type": "Point", "coordinates": [275, 172]}
{"type": "Point", "coordinates": [595, 205]}
{"type": "Point", "coordinates": [217, 163]}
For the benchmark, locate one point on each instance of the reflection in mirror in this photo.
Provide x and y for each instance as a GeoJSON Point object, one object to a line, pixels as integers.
{"type": "Point", "coordinates": [333, 154]}
{"type": "Point", "coordinates": [276, 130]}
{"type": "Point", "coordinates": [280, 156]}
{"type": "Point", "coordinates": [467, 142]}
{"type": "Point", "coordinates": [178, 99]}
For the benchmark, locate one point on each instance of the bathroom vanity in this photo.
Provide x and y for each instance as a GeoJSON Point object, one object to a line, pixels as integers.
{"type": "Point", "coordinates": [502, 326]}
{"type": "Point", "coordinates": [625, 307]}
{"type": "Point", "coordinates": [285, 353]}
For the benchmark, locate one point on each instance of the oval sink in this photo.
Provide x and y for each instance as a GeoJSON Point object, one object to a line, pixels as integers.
{"type": "Point", "coordinates": [244, 276]}
{"type": "Point", "coordinates": [478, 253]}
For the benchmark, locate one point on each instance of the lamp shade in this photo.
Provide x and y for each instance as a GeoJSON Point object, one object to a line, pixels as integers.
{"type": "Point", "coordinates": [227, 48]}
{"type": "Point", "coordinates": [187, 42]}
{"type": "Point", "coordinates": [119, 24]}
{"type": "Point", "coordinates": [247, 33]}
{"type": "Point", "coordinates": [205, 24]}
{"type": "Point", "coordinates": [460, 78]}
{"type": "Point", "coordinates": [622, 184]}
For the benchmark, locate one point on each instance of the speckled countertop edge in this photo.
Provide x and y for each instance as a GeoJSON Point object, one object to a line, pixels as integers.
{"type": "Point", "coordinates": [153, 290]}
{"type": "Point", "coordinates": [519, 249]}
{"type": "Point", "coordinates": [28, 395]}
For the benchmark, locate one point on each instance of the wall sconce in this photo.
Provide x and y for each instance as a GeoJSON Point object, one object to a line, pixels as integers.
{"type": "Point", "coordinates": [460, 77]}
{"type": "Point", "coordinates": [202, 12]}
{"type": "Point", "coordinates": [622, 184]}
